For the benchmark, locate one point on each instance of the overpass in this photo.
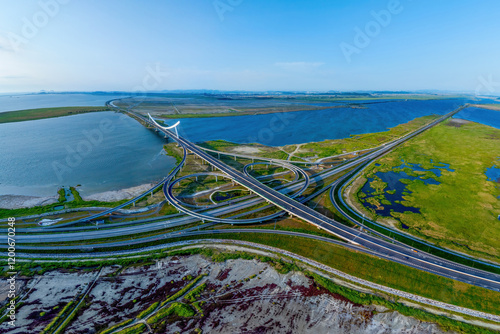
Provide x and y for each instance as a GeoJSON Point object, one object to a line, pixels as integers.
{"type": "Point", "coordinates": [394, 252]}
{"type": "Point", "coordinates": [425, 261]}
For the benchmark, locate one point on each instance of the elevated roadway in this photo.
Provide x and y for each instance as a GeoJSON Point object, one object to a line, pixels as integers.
{"type": "Point", "coordinates": [426, 261]}
{"type": "Point", "coordinates": [395, 252]}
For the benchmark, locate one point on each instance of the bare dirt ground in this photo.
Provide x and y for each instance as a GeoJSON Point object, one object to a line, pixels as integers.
{"type": "Point", "coordinates": [246, 150]}
{"type": "Point", "coordinates": [118, 195]}
{"type": "Point", "coordinates": [457, 122]}
{"type": "Point", "coordinates": [241, 296]}
{"type": "Point", "coordinates": [19, 201]}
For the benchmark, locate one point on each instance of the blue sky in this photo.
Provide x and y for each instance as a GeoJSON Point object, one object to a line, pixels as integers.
{"type": "Point", "coordinates": [249, 45]}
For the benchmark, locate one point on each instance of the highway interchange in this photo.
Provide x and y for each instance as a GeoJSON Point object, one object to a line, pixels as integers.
{"type": "Point", "coordinates": [366, 242]}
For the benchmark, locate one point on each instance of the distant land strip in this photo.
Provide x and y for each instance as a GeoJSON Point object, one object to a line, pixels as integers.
{"type": "Point", "coordinates": [33, 114]}
{"type": "Point", "coordinates": [487, 106]}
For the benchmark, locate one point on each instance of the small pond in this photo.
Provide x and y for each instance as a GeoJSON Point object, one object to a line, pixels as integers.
{"type": "Point", "coordinates": [396, 189]}
{"type": "Point", "coordinates": [493, 174]}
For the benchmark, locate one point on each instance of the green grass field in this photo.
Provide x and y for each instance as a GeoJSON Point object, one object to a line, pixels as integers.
{"type": "Point", "coordinates": [32, 114]}
{"type": "Point", "coordinates": [173, 151]}
{"type": "Point", "coordinates": [461, 212]}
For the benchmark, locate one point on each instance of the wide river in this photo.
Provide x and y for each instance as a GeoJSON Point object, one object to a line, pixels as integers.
{"type": "Point", "coordinates": [106, 151]}
{"type": "Point", "coordinates": [31, 101]}
{"type": "Point", "coordinates": [101, 151]}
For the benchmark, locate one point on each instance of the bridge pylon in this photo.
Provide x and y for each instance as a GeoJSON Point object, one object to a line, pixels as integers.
{"type": "Point", "coordinates": [166, 127]}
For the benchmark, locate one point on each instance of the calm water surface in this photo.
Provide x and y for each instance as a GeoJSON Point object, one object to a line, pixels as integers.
{"type": "Point", "coordinates": [480, 115]}
{"type": "Point", "coordinates": [493, 174]}
{"type": "Point", "coordinates": [312, 125]}
{"type": "Point", "coordinates": [101, 151]}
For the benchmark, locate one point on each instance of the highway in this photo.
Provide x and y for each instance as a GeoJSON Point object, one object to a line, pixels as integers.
{"type": "Point", "coordinates": [396, 252]}
{"type": "Point", "coordinates": [296, 170]}
{"type": "Point", "coordinates": [157, 223]}
{"type": "Point", "coordinates": [252, 157]}
{"type": "Point", "coordinates": [184, 233]}
{"type": "Point", "coordinates": [168, 192]}
{"type": "Point", "coordinates": [337, 199]}
{"type": "Point", "coordinates": [391, 291]}
{"type": "Point", "coordinates": [107, 212]}
{"type": "Point", "coordinates": [194, 231]}
{"type": "Point", "coordinates": [28, 235]}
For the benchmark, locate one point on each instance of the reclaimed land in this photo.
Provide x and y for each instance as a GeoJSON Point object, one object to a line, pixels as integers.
{"type": "Point", "coordinates": [462, 211]}
{"type": "Point", "coordinates": [246, 111]}
{"type": "Point", "coordinates": [379, 271]}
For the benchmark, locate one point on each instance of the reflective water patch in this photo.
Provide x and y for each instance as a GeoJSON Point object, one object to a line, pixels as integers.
{"type": "Point", "coordinates": [385, 192]}
{"type": "Point", "coordinates": [493, 174]}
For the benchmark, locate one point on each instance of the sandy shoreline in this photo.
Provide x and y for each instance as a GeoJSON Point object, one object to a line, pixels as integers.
{"type": "Point", "coordinates": [21, 201]}
{"type": "Point", "coordinates": [118, 195]}
{"type": "Point", "coordinates": [486, 106]}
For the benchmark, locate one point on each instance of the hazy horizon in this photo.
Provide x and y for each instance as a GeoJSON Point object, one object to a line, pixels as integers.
{"type": "Point", "coordinates": [270, 92]}
{"type": "Point", "coordinates": [243, 45]}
